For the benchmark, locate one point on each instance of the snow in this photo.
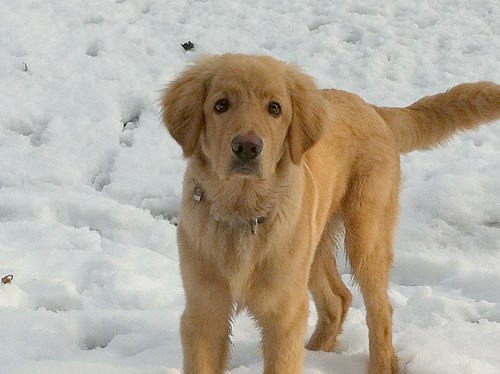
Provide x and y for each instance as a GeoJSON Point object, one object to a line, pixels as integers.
{"type": "Point", "coordinates": [90, 181]}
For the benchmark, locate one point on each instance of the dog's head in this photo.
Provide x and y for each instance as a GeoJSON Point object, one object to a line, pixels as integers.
{"type": "Point", "coordinates": [245, 113]}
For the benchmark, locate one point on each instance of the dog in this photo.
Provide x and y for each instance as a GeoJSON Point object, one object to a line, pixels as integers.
{"type": "Point", "coordinates": [276, 169]}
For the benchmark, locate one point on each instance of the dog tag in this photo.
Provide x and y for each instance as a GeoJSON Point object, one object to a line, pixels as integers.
{"type": "Point", "coordinates": [254, 224]}
{"type": "Point", "coordinates": [197, 194]}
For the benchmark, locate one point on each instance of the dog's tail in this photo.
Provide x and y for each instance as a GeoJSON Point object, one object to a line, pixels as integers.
{"type": "Point", "coordinates": [434, 119]}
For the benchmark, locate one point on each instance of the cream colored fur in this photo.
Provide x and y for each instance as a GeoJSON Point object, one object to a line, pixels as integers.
{"type": "Point", "coordinates": [330, 162]}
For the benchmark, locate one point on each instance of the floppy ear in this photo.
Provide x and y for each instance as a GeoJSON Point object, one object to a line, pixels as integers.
{"type": "Point", "coordinates": [309, 114]}
{"type": "Point", "coordinates": [182, 107]}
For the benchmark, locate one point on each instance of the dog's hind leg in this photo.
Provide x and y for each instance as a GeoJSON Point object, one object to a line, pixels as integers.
{"type": "Point", "coordinates": [331, 296]}
{"type": "Point", "coordinates": [370, 213]}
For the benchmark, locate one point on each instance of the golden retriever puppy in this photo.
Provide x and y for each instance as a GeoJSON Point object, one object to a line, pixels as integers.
{"type": "Point", "coordinates": [276, 168]}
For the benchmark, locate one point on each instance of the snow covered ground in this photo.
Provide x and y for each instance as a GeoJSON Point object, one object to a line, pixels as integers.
{"type": "Point", "coordinates": [90, 181]}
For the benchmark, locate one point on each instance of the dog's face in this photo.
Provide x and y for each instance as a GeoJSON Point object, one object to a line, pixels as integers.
{"type": "Point", "coordinates": [245, 113]}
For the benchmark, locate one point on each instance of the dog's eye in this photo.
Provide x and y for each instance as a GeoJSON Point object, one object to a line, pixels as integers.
{"type": "Point", "coordinates": [221, 106]}
{"type": "Point", "coordinates": [274, 109]}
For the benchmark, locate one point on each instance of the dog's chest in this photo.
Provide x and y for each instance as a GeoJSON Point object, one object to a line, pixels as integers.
{"type": "Point", "coordinates": [240, 254]}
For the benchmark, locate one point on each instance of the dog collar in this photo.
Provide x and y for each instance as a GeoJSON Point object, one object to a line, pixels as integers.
{"type": "Point", "coordinates": [254, 223]}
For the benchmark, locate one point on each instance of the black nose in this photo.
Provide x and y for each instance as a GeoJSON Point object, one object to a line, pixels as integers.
{"type": "Point", "coordinates": [247, 147]}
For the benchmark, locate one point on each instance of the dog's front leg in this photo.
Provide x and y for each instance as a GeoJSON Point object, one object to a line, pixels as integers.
{"type": "Point", "coordinates": [283, 328]}
{"type": "Point", "coordinates": [205, 323]}
{"type": "Point", "coordinates": [205, 336]}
